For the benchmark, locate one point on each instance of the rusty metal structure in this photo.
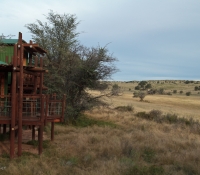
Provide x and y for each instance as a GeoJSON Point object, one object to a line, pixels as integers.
{"type": "Point", "coordinates": [22, 102]}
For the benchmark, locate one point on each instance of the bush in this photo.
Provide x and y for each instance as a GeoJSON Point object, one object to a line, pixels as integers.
{"type": "Point", "coordinates": [174, 91]}
{"type": "Point", "coordinates": [161, 91]}
{"type": "Point", "coordinates": [171, 118]}
{"type": "Point", "coordinates": [115, 89]}
{"type": "Point", "coordinates": [169, 93]}
{"type": "Point", "coordinates": [135, 94]}
{"type": "Point", "coordinates": [148, 86]}
{"type": "Point", "coordinates": [137, 87]}
{"type": "Point", "coordinates": [125, 108]}
{"type": "Point", "coordinates": [155, 113]}
{"type": "Point", "coordinates": [196, 88]}
{"type": "Point", "coordinates": [181, 92]}
{"type": "Point", "coordinates": [187, 82]}
{"type": "Point", "coordinates": [188, 93]}
{"type": "Point", "coordinates": [141, 95]}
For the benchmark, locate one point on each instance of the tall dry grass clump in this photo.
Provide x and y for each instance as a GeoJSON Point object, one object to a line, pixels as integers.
{"type": "Point", "coordinates": [114, 141]}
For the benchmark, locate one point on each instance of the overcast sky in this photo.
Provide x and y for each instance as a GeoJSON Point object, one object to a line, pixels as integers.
{"type": "Point", "coordinates": [152, 39]}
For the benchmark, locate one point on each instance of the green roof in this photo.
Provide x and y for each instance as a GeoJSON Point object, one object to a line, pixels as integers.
{"type": "Point", "coordinates": [10, 41]}
{"type": "Point", "coordinates": [1, 62]}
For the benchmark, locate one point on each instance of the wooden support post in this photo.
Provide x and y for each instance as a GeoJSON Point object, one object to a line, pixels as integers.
{"type": "Point", "coordinates": [41, 129]}
{"type": "Point", "coordinates": [13, 104]}
{"type": "Point", "coordinates": [52, 131]}
{"type": "Point", "coordinates": [41, 76]}
{"type": "Point", "coordinates": [47, 109]}
{"type": "Point", "coordinates": [21, 50]}
{"type": "Point", "coordinates": [0, 128]}
{"type": "Point", "coordinates": [30, 57]}
{"type": "Point", "coordinates": [33, 132]}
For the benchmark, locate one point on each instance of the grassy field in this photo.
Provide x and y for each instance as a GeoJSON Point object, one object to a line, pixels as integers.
{"type": "Point", "coordinates": [159, 136]}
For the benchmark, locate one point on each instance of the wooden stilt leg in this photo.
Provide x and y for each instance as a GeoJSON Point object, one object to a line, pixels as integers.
{"type": "Point", "coordinates": [21, 53]}
{"type": "Point", "coordinates": [52, 131]}
{"type": "Point", "coordinates": [33, 132]}
{"type": "Point", "coordinates": [40, 138]}
{"type": "Point", "coordinates": [12, 143]}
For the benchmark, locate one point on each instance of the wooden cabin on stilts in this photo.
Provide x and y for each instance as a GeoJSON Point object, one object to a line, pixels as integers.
{"type": "Point", "coordinates": [22, 102]}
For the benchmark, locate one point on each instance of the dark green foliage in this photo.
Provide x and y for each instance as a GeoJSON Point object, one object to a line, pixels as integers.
{"type": "Point", "coordinates": [181, 92]}
{"type": "Point", "coordinates": [143, 85]}
{"type": "Point", "coordinates": [84, 121]}
{"type": "Point", "coordinates": [72, 67]}
{"type": "Point", "coordinates": [141, 95]}
{"type": "Point", "coordinates": [35, 143]}
{"type": "Point", "coordinates": [135, 94]}
{"type": "Point", "coordinates": [124, 108]}
{"type": "Point", "coordinates": [115, 89]}
{"type": "Point", "coordinates": [188, 93]}
{"type": "Point", "coordinates": [161, 91]}
{"type": "Point", "coordinates": [188, 170]}
{"type": "Point", "coordinates": [155, 113]}
{"type": "Point", "coordinates": [148, 154]}
{"type": "Point", "coordinates": [196, 88]}
{"type": "Point", "coordinates": [171, 118]}
{"type": "Point", "coordinates": [148, 86]}
{"type": "Point", "coordinates": [168, 93]}
{"type": "Point", "coordinates": [174, 91]}
{"type": "Point", "coordinates": [4, 137]}
{"type": "Point", "coordinates": [145, 170]}
{"type": "Point", "coordinates": [137, 87]}
{"type": "Point", "coordinates": [157, 116]}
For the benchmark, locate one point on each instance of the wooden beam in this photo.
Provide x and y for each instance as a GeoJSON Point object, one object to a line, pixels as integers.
{"type": "Point", "coordinates": [21, 50]}
{"type": "Point", "coordinates": [13, 102]}
{"type": "Point", "coordinates": [26, 71]}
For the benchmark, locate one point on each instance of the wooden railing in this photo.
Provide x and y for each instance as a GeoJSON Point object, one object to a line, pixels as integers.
{"type": "Point", "coordinates": [38, 107]}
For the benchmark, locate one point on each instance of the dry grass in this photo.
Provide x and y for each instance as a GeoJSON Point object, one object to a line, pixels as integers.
{"type": "Point", "coordinates": [118, 142]}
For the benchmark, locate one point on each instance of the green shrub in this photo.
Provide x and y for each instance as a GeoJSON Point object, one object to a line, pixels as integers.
{"type": "Point", "coordinates": [148, 155]}
{"type": "Point", "coordinates": [171, 118]}
{"type": "Point", "coordinates": [84, 121]}
{"type": "Point", "coordinates": [4, 137]}
{"type": "Point", "coordinates": [125, 108]}
{"type": "Point", "coordinates": [135, 94]}
{"type": "Point", "coordinates": [188, 93]}
{"type": "Point", "coordinates": [141, 95]}
{"type": "Point", "coordinates": [161, 91]}
{"type": "Point", "coordinates": [196, 88]}
{"type": "Point", "coordinates": [174, 91]}
{"type": "Point", "coordinates": [35, 143]}
{"type": "Point", "coordinates": [145, 170]}
{"type": "Point", "coordinates": [155, 115]}
{"type": "Point", "coordinates": [143, 115]}
{"type": "Point", "coordinates": [137, 87]}
{"type": "Point", "coordinates": [169, 93]}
